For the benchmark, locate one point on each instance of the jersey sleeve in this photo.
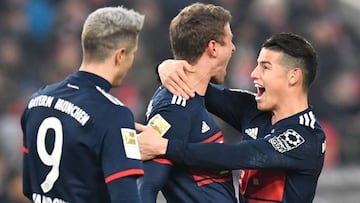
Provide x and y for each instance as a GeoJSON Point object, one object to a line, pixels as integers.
{"type": "Point", "coordinates": [157, 171]}
{"type": "Point", "coordinates": [179, 119]}
{"type": "Point", "coordinates": [232, 106]}
{"type": "Point", "coordinates": [283, 149]}
{"type": "Point", "coordinates": [155, 177]}
{"type": "Point", "coordinates": [25, 176]}
{"type": "Point", "coordinates": [120, 156]}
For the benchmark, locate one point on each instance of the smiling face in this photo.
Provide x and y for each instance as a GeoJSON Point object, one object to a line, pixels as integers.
{"type": "Point", "coordinates": [271, 80]}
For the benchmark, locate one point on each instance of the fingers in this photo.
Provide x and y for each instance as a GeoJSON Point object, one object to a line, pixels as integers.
{"type": "Point", "coordinates": [139, 127]}
{"type": "Point", "coordinates": [176, 89]}
{"type": "Point", "coordinates": [173, 77]}
{"type": "Point", "coordinates": [183, 82]}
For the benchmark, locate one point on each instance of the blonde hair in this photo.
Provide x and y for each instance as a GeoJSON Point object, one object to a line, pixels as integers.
{"type": "Point", "coordinates": [107, 28]}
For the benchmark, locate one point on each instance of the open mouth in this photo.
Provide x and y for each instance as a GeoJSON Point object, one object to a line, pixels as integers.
{"type": "Point", "coordinates": [260, 91]}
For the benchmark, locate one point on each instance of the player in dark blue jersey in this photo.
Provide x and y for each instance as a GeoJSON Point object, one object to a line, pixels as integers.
{"type": "Point", "coordinates": [79, 141]}
{"type": "Point", "coordinates": [284, 145]}
{"type": "Point", "coordinates": [200, 34]}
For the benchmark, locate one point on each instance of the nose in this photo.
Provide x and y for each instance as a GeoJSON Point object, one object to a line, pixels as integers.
{"type": "Point", "coordinates": [255, 73]}
{"type": "Point", "coordinates": [233, 48]}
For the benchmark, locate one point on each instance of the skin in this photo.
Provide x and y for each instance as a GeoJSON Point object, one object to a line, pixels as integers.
{"type": "Point", "coordinates": [216, 56]}
{"type": "Point", "coordinates": [114, 68]}
{"type": "Point", "coordinates": [279, 88]}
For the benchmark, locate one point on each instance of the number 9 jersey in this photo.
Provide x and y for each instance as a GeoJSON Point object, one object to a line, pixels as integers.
{"type": "Point", "coordinates": [79, 144]}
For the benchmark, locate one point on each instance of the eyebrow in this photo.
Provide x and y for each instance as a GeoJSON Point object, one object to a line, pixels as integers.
{"type": "Point", "coordinates": [264, 62]}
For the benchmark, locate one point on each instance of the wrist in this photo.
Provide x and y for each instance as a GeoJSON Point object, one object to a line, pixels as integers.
{"type": "Point", "coordinates": [163, 146]}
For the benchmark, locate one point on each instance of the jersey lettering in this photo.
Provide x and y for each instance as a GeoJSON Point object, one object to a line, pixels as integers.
{"type": "Point", "coordinates": [50, 159]}
{"type": "Point", "coordinates": [42, 100]}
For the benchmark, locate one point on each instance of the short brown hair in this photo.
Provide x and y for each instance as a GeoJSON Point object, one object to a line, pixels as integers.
{"type": "Point", "coordinates": [193, 28]}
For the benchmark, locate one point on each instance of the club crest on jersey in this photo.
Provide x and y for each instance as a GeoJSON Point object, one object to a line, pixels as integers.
{"type": "Point", "coordinates": [159, 124]}
{"type": "Point", "coordinates": [287, 141]}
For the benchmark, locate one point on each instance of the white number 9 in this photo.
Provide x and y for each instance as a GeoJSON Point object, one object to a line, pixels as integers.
{"type": "Point", "coordinates": [50, 159]}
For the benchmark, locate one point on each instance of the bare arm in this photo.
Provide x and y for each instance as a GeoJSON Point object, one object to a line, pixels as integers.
{"type": "Point", "coordinates": [173, 77]}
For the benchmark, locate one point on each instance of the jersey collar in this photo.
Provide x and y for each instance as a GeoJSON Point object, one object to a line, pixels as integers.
{"type": "Point", "coordinates": [95, 79]}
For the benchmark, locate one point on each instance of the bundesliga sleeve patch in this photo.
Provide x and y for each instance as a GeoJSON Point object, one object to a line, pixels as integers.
{"type": "Point", "coordinates": [287, 141]}
{"type": "Point", "coordinates": [130, 143]}
{"type": "Point", "coordinates": [159, 124]}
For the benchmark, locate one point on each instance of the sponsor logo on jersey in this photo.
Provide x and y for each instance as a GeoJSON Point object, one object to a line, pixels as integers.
{"type": "Point", "coordinates": [178, 100]}
{"type": "Point", "coordinates": [287, 141]}
{"type": "Point", "coordinates": [204, 127]}
{"type": "Point", "coordinates": [252, 132]}
{"type": "Point", "coordinates": [159, 124]}
{"type": "Point", "coordinates": [130, 143]}
{"type": "Point", "coordinates": [307, 119]}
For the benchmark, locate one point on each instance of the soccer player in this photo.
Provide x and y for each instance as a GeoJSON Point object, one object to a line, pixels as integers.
{"type": "Point", "coordinates": [79, 141]}
{"type": "Point", "coordinates": [283, 151]}
{"type": "Point", "coordinates": [201, 35]}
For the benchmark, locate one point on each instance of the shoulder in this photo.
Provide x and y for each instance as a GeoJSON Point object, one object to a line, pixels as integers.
{"type": "Point", "coordinates": [301, 130]}
{"type": "Point", "coordinates": [109, 97]}
{"type": "Point", "coordinates": [163, 97]}
{"type": "Point", "coordinates": [108, 106]}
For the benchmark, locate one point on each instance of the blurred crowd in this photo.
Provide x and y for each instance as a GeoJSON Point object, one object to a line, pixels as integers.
{"type": "Point", "coordinates": [40, 43]}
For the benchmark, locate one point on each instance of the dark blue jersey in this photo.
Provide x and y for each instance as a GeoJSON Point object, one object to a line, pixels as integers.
{"type": "Point", "coordinates": [187, 120]}
{"type": "Point", "coordinates": [79, 144]}
{"type": "Point", "coordinates": [286, 157]}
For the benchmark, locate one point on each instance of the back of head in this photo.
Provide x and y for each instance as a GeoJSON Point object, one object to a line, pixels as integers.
{"type": "Point", "coordinates": [298, 52]}
{"type": "Point", "coordinates": [107, 28]}
{"type": "Point", "coordinates": [193, 28]}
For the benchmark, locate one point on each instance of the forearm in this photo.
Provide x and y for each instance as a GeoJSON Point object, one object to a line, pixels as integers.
{"type": "Point", "coordinates": [224, 156]}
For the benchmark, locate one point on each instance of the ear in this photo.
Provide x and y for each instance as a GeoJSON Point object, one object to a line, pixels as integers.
{"type": "Point", "coordinates": [212, 48]}
{"type": "Point", "coordinates": [295, 76]}
{"type": "Point", "coordinates": [119, 54]}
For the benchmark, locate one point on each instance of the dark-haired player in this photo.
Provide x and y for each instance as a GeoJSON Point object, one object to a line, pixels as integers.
{"type": "Point", "coordinates": [283, 151]}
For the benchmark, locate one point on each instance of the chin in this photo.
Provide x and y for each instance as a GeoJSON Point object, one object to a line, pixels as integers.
{"type": "Point", "coordinates": [262, 107]}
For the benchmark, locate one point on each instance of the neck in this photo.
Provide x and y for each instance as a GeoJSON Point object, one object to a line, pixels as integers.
{"type": "Point", "coordinates": [200, 77]}
{"type": "Point", "coordinates": [97, 69]}
{"type": "Point", "coordinates": [290, 107]}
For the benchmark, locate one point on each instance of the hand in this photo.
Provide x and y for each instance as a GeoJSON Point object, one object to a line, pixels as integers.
{"type": "Point", "coordinates": [173, 77]}
{"type": "Point", "coordinates": [150, 142]}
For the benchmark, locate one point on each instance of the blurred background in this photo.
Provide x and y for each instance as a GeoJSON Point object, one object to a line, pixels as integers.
{"type": "Point", "coordinates": [40, 43]}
